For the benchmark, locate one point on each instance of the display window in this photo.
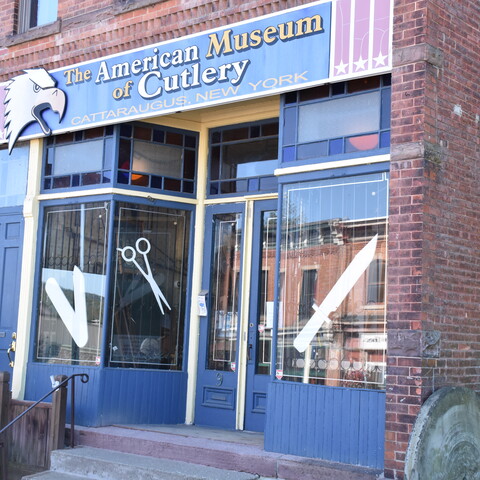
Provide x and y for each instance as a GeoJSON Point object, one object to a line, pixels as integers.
{"type": "Point", "coordinates": [143, 292]}
{"type": "Point", "coordinates": [149, 287]}
{"type": "Point", "coordinates": [73, 284]}
{"type": "Point", "coordinates": [331, 326]}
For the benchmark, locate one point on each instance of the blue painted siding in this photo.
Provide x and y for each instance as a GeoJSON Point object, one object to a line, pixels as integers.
{"type": "Point", "coordinates": [143, 396]}
{"type": "Point", "coordinates": [116, 396]}
{"type": "Point", "coordinates": [336, 424]}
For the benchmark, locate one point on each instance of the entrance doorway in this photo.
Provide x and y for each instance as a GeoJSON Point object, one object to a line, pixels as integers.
{"type": "Point", "coordinates": [235, 336]}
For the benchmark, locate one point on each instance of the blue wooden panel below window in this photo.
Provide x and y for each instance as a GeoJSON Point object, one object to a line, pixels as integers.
{"type": "Point", "coordinates": [115, 395]}
{"type": "Point", "coordinates": [330, 423]}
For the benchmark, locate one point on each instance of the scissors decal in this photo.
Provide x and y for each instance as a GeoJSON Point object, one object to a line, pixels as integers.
{"type": "Point", "coordinates": [129, 255]}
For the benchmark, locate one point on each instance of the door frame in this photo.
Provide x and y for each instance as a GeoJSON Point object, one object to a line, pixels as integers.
{"type": "Point", "coordinates": [255, 206]}
{"type": "Point", "coordinates": [251, 208]}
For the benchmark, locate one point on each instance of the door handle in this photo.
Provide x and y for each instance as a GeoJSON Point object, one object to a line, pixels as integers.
{"type": "Point", "coordinates": [11, 349]}
{"type": "Point", "coordinates": [249, 352]}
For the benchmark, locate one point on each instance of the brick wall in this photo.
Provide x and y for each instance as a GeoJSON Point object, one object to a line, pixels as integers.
{"type": "Point", "coordinates": [90, 29]}
{"type": "Point", "coordinates": [434, 241]}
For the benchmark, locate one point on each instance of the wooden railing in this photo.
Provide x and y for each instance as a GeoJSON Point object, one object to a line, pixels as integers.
{"type": "Point", "coordinates": [35, 435]}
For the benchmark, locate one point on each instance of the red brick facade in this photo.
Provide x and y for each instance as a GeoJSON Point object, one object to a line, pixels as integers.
{"type": "Point", "coordinates": [434, 267]}
{"type": "Point", "coordinates": [432, 305]}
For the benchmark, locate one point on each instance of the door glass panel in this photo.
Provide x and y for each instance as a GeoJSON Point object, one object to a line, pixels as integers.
{"type": "Point", "coordinates": [266, 293]}
{"type": "Point", "coordinates": [224, 288]}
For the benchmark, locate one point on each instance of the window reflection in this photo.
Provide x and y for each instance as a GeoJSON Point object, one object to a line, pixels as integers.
{"type": "Point", "coordinates": [325, 225]}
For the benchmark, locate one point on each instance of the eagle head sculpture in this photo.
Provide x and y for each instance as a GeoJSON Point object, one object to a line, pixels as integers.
{"type": "Point", "coordinates": [28, 95]}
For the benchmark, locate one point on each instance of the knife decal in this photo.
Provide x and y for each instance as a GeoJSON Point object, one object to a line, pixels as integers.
{"type": "Point", "coordinates": [337, 294]}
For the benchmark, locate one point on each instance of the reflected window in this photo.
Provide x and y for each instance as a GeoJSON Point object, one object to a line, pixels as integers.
{"type": "Point", "coordinates": [307, 294]}
{"type": "Point", "coordinates": [333, 235]}
{"type": "Point", "coordinates": [73, 283]}
{"type": "Point", "coordinates": [243, 158]}
{"type": "Point", "coordinates": [376, 282]}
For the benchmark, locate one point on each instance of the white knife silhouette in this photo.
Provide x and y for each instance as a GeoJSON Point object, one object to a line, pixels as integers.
{"type": "Point", "coordinates": [74, 320]}
{"type": "Point", "coordinates": [336, 295]}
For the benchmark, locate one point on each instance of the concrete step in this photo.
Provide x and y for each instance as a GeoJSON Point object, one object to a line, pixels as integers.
{"type": "Point", "coordinates": [235, 451]}
{"type": "Point", "coordinates": [49, 475]}
{"type": "Point", "coordinates": [90, 463]}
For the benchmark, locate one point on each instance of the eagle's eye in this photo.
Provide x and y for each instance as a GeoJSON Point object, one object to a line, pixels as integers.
{"type": "Point", "coordinates": [36, 88]}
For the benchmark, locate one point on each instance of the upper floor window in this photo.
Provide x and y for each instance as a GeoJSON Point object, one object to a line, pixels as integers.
{"type": "Point", "coordinates": [34, 13]}
{"type": "Point", "coordinates": [348, 119]}
{"type": "Point", "coordinates": [137, 156]}
{"type": "Point", "coordinates": [243, 158]}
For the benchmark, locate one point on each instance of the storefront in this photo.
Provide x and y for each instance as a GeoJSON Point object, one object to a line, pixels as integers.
{"type": "Point", "coordinates": [211, 218]}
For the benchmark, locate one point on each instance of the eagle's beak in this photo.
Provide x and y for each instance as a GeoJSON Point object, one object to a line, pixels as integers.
{"type": "Point", "coordinates": [52, 98]}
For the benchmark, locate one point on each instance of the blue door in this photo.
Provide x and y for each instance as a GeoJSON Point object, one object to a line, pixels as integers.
{"type": "Point", "coordinates": [11, 238]}
{"type": "Point", "coordinates": [221, 330]}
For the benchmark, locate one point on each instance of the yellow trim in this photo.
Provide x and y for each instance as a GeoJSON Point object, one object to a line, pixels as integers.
{"type": "Point", "coordinates": [244, 315]}
{"type": "Point", "coordinates": [30, 213]}
{"type": "Point", "coordinates": [194, 334]}
{"type": "Point", "coordinates": [112, 191]}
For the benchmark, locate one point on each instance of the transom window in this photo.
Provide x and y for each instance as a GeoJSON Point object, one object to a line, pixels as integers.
{"type": "Point", "coordinates": [243, 158]}
{"type": "Point", "coordinates": [136, 156]}
{"type": "Point", "coordinates": [347, 119]}
{"type": "Point", "coordinates": [328, 332]}
{"type": "Point", "coordinates": [156, 157]}
{"type": "Point", "coordinates": [79, 159]}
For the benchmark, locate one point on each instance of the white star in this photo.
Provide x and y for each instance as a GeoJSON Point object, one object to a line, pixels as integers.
{"type": "Point", "coordinates": [341, 67]}
{"type": "Point", "coordinates": [360, 63]}
{"type": "Point", "coordinates": [380, 60]}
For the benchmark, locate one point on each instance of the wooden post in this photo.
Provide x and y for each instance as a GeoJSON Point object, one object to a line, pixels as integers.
{"type": "Point", "coordinates": [56, 434]}
{"type": "Point", "coordinates": [5, 396]}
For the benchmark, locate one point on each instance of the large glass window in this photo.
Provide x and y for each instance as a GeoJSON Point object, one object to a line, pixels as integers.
{"type": "Point", "coordinates": [332, 268]}
{"type": "Point", "coordinates": [73, 281]}
{"type": "Point", "coordinates": [149, 288]}
{"type": "Point", "coordinates": [13, 176]}
{"type": "Point", "coordinates": [243, 158]}
{"type": "Point", "coordinates": [347, 118]}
